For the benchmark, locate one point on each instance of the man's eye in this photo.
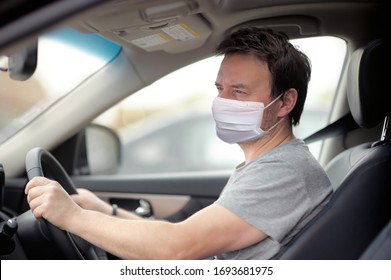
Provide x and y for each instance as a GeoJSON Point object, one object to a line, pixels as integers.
{"type": "Point", "coordinates": [238, 91]}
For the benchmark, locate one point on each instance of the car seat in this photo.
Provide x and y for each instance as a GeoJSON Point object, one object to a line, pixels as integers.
{"type": "Point", "coordinates": [380, 248]}
{"type": "Point", "coordinates": [361, 204]}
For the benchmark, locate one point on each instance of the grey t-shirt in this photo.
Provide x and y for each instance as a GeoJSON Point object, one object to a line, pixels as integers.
{"type": "Point", "coordinates": [279, 192]}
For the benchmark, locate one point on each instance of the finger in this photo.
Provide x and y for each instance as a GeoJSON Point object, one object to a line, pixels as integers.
{"type": "Point", "coordinates": [80, 196]}
{"type": "Point", "coordinates": [76, 198]}
{"type": "Point", "coordinates": [34, 192]}
{"type": "Point", "coordinates": [37, 212]}
{"type": "Point", "coordinates": [35, 188]}
{"type": "Point", "coordinates": [46, 191]}
{"type": "Point", "coordinates": [82, 190]}
{"type": "Point", "coordinates": [35, 182]}
{"type": "Point", "coordinates": [37, 195]}
{"type": "Point", "coordinates": [36, 200]}
{"type": "Point", "coordinates": [36, 208]}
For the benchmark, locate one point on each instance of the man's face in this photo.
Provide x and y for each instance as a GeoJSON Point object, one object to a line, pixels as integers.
{"type": "Point", "coordinates": [244, 78]}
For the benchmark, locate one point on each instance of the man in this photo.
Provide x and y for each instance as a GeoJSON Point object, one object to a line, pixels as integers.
{"type": "Point", "coordinates": [262, 86]}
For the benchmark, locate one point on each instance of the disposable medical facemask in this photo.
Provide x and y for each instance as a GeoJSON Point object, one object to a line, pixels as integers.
{"type": "Point", "coordinates": [239, 121]}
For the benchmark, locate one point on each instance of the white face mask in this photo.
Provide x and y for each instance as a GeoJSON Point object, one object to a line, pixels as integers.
{"type": "Point", "coordinates": [239, 121]}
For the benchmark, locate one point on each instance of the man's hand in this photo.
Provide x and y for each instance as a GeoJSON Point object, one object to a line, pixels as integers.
{"type": "Point", "coordinates": [48, 200]}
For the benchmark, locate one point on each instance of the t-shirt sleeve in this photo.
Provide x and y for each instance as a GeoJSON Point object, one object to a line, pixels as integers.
{"type": "Point", "coordinates": [268, 195]}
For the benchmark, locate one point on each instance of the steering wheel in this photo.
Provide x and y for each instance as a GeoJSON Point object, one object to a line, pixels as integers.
{"type": "Point", "coordinates": [39, 238]}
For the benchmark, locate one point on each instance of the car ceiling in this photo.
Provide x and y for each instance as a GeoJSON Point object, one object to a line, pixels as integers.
{"type": "Point", "coordinates": [125, 20]}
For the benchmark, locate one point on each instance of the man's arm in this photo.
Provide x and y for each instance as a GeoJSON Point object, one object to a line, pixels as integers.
{"type": "Point", "coordinates": [210, 231]}
{"type": "Point", "coordinates": [88, 200]}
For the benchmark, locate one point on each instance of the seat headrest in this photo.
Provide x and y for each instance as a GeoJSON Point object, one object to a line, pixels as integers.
{"type": "Point", "coordinates": [366, 85]}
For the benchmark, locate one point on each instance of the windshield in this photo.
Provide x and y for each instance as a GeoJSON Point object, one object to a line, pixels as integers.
{"type": "Point", "coordinates": [58, 72]}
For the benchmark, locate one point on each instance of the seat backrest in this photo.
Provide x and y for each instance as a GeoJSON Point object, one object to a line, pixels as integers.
{"type": "Point", "coordinates": [380, 248]}
{"type": "Point", "coordinates": [361, 204]}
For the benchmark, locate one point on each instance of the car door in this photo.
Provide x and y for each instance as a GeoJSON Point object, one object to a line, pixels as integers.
{"type": "Point", "coordinates": [173, 197]}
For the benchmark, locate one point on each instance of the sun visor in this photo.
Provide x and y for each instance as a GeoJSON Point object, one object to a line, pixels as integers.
{"type": "Point", "coordinates": [173, 36]}
{"type": "Point", "coordinates": [172, 27]}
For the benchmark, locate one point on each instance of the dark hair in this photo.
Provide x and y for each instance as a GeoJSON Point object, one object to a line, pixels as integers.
{"type": "Point", "coordinates": [289, 67]}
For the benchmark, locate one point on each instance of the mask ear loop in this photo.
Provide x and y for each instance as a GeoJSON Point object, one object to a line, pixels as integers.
{"type": "Point", "coordinates": [275, 125]}
{"type": "Point", "coordinates": [278, 97]}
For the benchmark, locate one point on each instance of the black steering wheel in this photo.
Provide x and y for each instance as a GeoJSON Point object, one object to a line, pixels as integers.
{"type": "Point", "coordinates": [39, 238]}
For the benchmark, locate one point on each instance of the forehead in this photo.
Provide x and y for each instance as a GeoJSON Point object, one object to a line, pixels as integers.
{"type": "Point", "coordinates": [243, 69]}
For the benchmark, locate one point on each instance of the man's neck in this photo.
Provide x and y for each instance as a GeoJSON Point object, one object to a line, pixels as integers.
{"type": "Point", "coordinates": [253, 150]}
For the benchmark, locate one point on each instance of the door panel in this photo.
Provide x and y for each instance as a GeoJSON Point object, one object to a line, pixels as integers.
{"type": "Point", "coordinates": [171, 196]}
{"type": "Point", "coordinates": [159, 206]}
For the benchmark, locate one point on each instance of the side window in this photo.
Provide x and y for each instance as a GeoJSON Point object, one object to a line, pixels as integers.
{"type": "Point", "coordinates": [168, 126]}
{"type": "Point", "coordinates": [327, 55]}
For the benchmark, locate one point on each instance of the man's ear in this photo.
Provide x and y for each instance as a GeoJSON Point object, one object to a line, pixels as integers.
{"type": "Point", "coordinates": [289, 99]}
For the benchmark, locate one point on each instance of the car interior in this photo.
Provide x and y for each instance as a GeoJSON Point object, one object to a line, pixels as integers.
{"type": "Point", "coordinates": [355, 151]}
